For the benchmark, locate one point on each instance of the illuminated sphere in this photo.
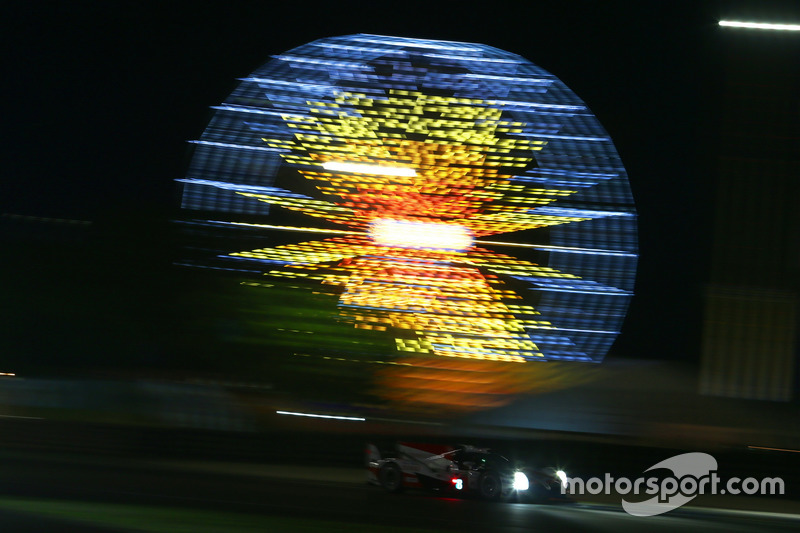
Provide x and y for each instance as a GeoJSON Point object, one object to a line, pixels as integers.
{"type": "Point", "coordinates": [475, 207]}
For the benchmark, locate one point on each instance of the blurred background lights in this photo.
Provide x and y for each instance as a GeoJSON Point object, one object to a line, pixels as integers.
{"type": "Point", "coordinates": [417, 156]}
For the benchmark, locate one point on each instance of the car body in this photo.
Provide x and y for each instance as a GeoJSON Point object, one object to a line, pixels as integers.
{"type": "Point", "coordinates": [460, 470]}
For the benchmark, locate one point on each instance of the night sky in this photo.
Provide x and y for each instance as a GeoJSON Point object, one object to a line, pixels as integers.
{"type": "Point", "coordinates": [100, 99]}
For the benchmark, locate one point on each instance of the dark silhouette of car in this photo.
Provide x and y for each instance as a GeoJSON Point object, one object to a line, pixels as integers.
{"type": "Point", "coordinates": [460, 470]}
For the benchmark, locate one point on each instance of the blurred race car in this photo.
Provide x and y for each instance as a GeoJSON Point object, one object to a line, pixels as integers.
{"type": "Point", "coordinates": [460, 470]}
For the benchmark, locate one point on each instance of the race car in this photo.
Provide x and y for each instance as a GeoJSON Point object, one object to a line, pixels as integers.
{"type": "Point", "coordinates": [460, 470]}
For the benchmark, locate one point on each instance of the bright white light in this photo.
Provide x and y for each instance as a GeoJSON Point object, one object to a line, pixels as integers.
{"type": "Point", "coordinates": [423, 235]}
{"type": "Point", "coordinates": [363, 168]}
{"type": "Point", "coordinates": [311, 415]}
{"type": "Point", "coordinates": [520, 481]}
{"type": "Point", "coordinates": [760, 25]}
{"type": "Point", "coordinates": [563, 477]}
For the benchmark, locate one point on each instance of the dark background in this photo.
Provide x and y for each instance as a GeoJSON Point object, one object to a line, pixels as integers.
{"type": "Point", "coordinates": [100, 99]}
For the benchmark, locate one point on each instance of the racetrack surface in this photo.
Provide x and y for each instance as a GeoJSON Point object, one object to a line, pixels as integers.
{"type": "Point", "coordinates": [336, 498]}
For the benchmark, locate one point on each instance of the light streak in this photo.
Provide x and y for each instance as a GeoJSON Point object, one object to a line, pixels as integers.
{"type": "Point", "coordinates": [236, 146]}
{"type": "Point", "coordinates": [422, 235]}
{"type": "Point", "coordinates": [559, 248]}
{"type": "Point", "coordinates": [418, 43]}
{"type": "Point", "coordinates": [759, 25]}
{"type": "Point", "coordinates": [360, 168]}
{"type": "Point", "coordinates": [290, 228]}
{"type": "Point", "coordinates": [313, 415]}
{"type": "Point", "coordinates": [773, 449]}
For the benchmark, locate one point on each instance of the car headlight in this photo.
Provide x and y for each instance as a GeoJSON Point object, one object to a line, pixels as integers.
{"type": "Point", "coordinates": [520, 481]}
{"type": "Point", "coordinates": [563, 477]}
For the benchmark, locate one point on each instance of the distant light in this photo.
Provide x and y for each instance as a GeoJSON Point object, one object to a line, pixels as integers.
{"type": "Point", "coordinates": [311, 415]}
{"type": "Point", "coordinates": [422, 235]}
{"type": "Point", "coordinates": [563, 477]}
{"type": "Point", "coordinates": [363, 168]}
{"type": "Point", "coordinates": [7, 374]}
{"type": "Point", "coordinates": [520, 481]}
{"type": "Point", "coordinates": [760, 25]}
